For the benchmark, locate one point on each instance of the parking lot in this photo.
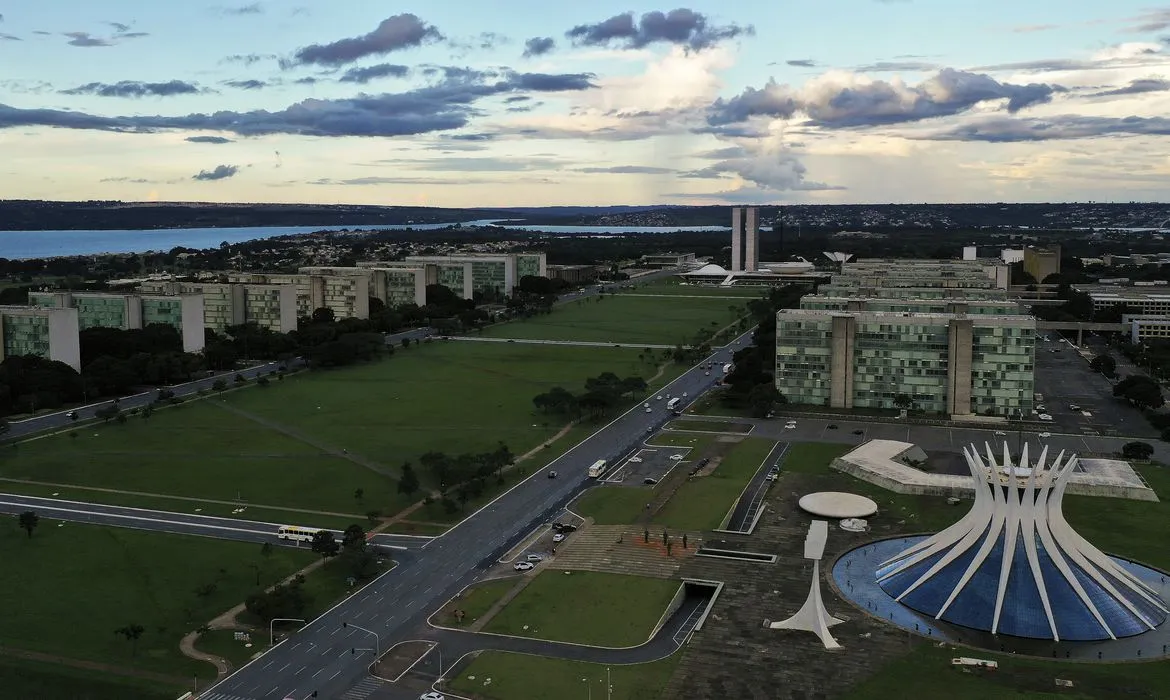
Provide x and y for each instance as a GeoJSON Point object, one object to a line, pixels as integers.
{"type": "Point", "coordinates": [650, 462]}
{"type": "Point", "coordinates": [1064, 379]}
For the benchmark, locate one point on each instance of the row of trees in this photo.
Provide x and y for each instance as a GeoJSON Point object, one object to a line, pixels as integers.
{"type": "Point", "coordinates": [751, 383]}
{"type": "Point", "coordinates": [603, 393]}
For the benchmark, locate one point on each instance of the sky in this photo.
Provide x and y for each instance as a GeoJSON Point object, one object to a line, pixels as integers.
{"type": "Point", "coordinates": [528, 103]}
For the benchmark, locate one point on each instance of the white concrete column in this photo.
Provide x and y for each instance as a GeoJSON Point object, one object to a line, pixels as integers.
{"type": "Point", "coordinates": [752, 239]}
{"type": "Point", "coordinates": [736, 237]}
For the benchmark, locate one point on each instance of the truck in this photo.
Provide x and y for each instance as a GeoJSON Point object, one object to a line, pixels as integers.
{"type": "Point", "coordinates": [727, 368]}
{"type": "Point", "coordinates": [672, 405]}
{"type": "Point", "coordinates": [597, 469]}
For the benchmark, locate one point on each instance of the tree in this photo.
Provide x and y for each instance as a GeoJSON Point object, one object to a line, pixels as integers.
{"type": "Point", "coordinates": [29, 521]}
{"type": "Point", "coordinates": [323, 315]}
{"type": "Point", "coordinates": [5, 426]}
{"type": "Point", "coordinates": [904, 401]}
{"type": "Point", "coordinates": [132, 633]}
{"type": "Point", "coordinates": [763, 398]}
{"type": "Point", "coordinates": [1140, 391]}
{"type": "Point", "coordinates": [1137, 450]}
{"type": "Point", "coordinates": [325, 544]}
{"type": "Point", "coordinates": [281, 601]}
{"type": "Point", "coordinates": [1104, 364]}
{"type": "Point", "coordinates": [358, 494]}
{"type": "Point", "coordinates": [354, 537]}
{"type": "Point", "coordinates": [408, 482]}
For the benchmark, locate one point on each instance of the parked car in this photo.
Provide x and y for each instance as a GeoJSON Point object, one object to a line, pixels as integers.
{"type": "Point", "coordinates": [1045, 435]}
{"type": "Point", "coordinates": [523, 566]}
{"type": "Point", "coordinates": [832, 426]}
{"type": "Point", "coordinates": [559, 537]}
{"type": "Point", "coordinates": [650, 481]}
{"type": "Point", "coordinates": [534, 558]}
{"type": "Point", "coordinates": [432, 696]}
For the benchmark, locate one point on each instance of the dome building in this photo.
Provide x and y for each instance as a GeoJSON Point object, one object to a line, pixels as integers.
{"type": "Point", "coordinates": [1013, 565]}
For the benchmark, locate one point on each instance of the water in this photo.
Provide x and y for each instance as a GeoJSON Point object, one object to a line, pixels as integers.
{"type": "Point", "coordinates": [16, 245]}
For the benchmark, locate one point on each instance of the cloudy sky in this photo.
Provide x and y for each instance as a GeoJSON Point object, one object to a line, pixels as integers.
{"type": "Point", "coordinates": [461, 103]}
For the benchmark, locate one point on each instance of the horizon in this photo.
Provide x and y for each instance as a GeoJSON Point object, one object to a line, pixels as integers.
{"type": "Point", "coordinates": [463, 106]}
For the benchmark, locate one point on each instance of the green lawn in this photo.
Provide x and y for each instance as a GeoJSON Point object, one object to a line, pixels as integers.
{"type": "Point", "coordinates": [498, 675]}
{"type": "Point", "coordinates": [76, 584]}
{"type": "Point", "coordinates": [702, 503]}
{"type": "Point", "coordinates": [624, 319]}
{"type": "Point", "coordinates": [672, 287]}
{"type": "Point", "coordinates": [586, 607]}
{"type": "Point", "coordinates": [926, 673]}
{"type": "Point", "coordinates": [477, 600]}
{"type": "Point", "coordinates": [223, 643]}
{"type": "Point", "coordinates": [21, 678]}
{"type": "Point", "coordinates": [715, 426]}
{"type": "Point", "coordinates": [453, 397]}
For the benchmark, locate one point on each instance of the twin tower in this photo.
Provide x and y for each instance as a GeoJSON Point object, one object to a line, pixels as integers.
{"type": "Point", "coordinates": [745, 239]}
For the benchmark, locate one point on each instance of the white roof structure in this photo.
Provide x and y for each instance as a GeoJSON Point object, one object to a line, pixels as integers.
{"type": "Point", "coordinates": [1013, 565]}
{"type": "Point", "coordinates": [834, 504]}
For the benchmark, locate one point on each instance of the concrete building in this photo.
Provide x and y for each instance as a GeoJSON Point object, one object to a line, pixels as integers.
{"type": "Point", "coordinates": [973, 307]}
{"type": "Point", "coordinates": [950, 363]}
{"type": "Point", "coordinates": [347, 296]}
{"type": "Point", "coordinates": [1147, 327]}
{"type": "Point", "coordinates": [1147, 303]}
{"type": "Point", "coordinates": [970, 252]}
{"type": "Point", "coordinates": [490, 275]}
{"type": "Point", "coordinates": [184, 312]}
{"type": "Point", "coordinates": [897, 272]}
{"type": "Point", "coordinates": [667, 260]}
{"type": "Point", "coordinates": [51, 333]}
{"type": "Point", "coordinates": [393, 286]}
{"type": "Point", "coordinates": [1009, 256]}
{"type": "Point", "coordinates": [271, 306]}
{"type": "Point", "coordinates": [1042, 262]}
{"type": "Point", "coordinates": [956, 293]}
{"type": "Point", "coordinates": [574, 274]}
{"type": "Point", "coordinates": [745, 239]}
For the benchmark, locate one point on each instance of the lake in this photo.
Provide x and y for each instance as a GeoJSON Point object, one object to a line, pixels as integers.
{"type": "Point", "coordinates": [16, 245]}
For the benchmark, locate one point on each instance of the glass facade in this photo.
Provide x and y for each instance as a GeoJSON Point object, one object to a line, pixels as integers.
{"type": "Point", "coordinates": [489, 277]}
{"type": "Point", "coordinates": [1002, 370]}
{"type": "Point", "coordinates": [901, 358]}
{"type": "Point", "coordinates": [262, 307]}
{"type": "Point", "coordinates": [400, 287]}
{"type": "Point", "coordinates": [26, 335]}
{"type": "Point", "coordinates": [527, 266]}
{"type": "Point", "coordinates": [804, 352]}
{"type": "Point", "coordinates": [167, 311]}
{"type": "Point", "coordinates": [451, 276]}
{"type": "Point", "coordinates": [101, 312]}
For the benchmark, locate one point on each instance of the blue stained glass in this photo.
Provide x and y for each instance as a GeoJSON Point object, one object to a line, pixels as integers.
{"type": "Point", "coordinates": [1022, 612]}
{"type": "Point", "coordinates": [1074, 620]}
{"type": "Point", "coordinates": [899, 582]}
{"type": "Point", "coordinates": [932, 595]}
{"type": "Point", "coordinates": [975, 604]}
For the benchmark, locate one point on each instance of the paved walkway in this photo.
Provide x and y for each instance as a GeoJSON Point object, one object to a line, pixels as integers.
{"type": "Point", "coordinates": [521, 583]}
{"type": "Point", "coordinates": [93, 666]}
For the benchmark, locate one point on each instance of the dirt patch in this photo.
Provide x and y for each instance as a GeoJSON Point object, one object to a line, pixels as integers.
{"type": "Point", "coordinates": [398, 660]}
{"type": "Point", "coordinates": [715, 453]}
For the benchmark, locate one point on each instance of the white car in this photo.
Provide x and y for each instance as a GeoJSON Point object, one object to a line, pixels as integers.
{"type": "Point", "coordinates": [790, 426]}
{"type": "Point", "coordinates": [658, 398]}
{"type": "Point", "coordinates": [646, 405]}
{"type": "Point", "coordinates": [636, 460]}
{"type": "Point", "coordinates": [676, 457]}
{"type": "Point", "coordinates": [1045, 435]}
{"type": "Point", "coordinates": [649, 410]}
{"type": "Point", "coordinates": [559, 537]}
{"type": "Point", "coordinates": [523, 566]}
{"type": "Point", "coordinates": [1000, 433]}
{"type": "Point", "coordinates": [432, 696]}
{"type": "Point", "coordinates": [684, 394]}
{"type": "Point", "coordinates": [534, 558]}
{"type": "Point", "coordinates": [1044, 417]}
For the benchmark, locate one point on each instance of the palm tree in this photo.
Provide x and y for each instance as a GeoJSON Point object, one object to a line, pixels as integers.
{"type": "Point", "coordinates": [131, 632]}
{"type": "Point", "coordinates": [29, 521]}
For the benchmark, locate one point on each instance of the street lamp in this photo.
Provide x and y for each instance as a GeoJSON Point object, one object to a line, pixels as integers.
{"type": "Point", "coordinates": [588, 687]}
{"type": "Point", "coordinates": [273, 621]}
{"type": "Point", "coordinates": [377, 639]}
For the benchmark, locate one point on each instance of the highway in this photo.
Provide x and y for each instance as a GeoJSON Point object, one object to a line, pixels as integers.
{"type": "Point", "coordinates": [178, 523]}
{"type": "Point", "coordinates": [326, 657]}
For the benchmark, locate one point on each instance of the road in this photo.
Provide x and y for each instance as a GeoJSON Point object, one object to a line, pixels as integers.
{"type": "Point", "coordinates": [178, 523]}
{"type": "Point", "coordinates": [324, 656]}
{"type": "Point", "coordinates": [752, 498]}
{"type": "Point", "coordinates": [575, 343]}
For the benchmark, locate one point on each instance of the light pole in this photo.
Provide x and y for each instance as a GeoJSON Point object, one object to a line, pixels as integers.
{"type": "Point", "coordinates": [608, 685]}
{"type": "Point", "coordinates": [588, 687]}
{"type": "Point", "coordinates": [273, 621]}
{"type": "Point", "coordinates": [377, 639]}
{"type": "Point", "coordinates": [440, 651]}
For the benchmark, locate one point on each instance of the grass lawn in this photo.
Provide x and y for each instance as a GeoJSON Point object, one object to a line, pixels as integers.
{"type": "Point", "coordinates": [586, 607]}
{"type": "Point", "coordinates": [76, 584]}
{"type": "Point", "coordinates": [624, 319]}
{"type": "Point", "coordinates": [451, 397]}
{"type": "Point", "coordinates": [673, 288]}
{"type": "Point", "coordinates": [222, 643]}
{"type": "Point", "coordinates": [476, 601]}
{"type": "Point", "coordinates": [926, 673]}
{"type": "Point", "coordinates": [715, 426]}
{"type": "Point", "coordinates": [703, 502]}
{"type": "Point", "coordinates": [501, 675]}
{"type": "Point", "coordinates": [21, 678]}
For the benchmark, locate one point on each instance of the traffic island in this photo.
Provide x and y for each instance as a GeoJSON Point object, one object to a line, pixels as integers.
{"type": "Point", "coordinates": [403, 656]}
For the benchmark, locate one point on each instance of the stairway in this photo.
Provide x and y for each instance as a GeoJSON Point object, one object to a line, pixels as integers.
{"type": "Point", "coordinates": [597, 548]}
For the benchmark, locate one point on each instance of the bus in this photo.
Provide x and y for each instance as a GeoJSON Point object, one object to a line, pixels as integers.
{"type": "Point", "coordinates": [727, 368]}
{"type": "Point", "coordinates": [597, 469]}
{"type": "Point", "coordinates": [672, 405]}
{"type": "Point", "coordinates": [296, 533]}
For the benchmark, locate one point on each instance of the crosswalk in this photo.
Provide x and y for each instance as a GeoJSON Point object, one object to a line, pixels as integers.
{"type": "Point", "coordinates": [364, 689]}
{"type": "Point", "coordinates": [222, 696]}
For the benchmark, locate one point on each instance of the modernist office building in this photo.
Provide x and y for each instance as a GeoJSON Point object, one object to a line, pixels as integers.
{"type": "Point", "coordinates": [347, 296]}
{"type": "Point", "coordinates": [46, 332]}
{"type": "Point", "coordinates": [271, 306]}
{"type": "Point", "coordinates": [184, 312]}
{"type": "Point", "coordinates": [941, 274]}
{"type": "Point", "coordinates": [745, 239]}
{"type": "Point", "coordinates": [951, 362]}
{"type": "Point", "coordinates": [393, 286]}
{"type": "Point", "coordinates": [468, 273]}
{"type": "Point", "coordinates": [1042, 262]}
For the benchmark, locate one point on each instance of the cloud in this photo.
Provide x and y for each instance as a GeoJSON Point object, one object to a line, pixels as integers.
{"type": "Point", "coordinates": [770, 166]}
{"type": "Point", "coordinates": [250, 9]}
{"type": "Point", "coordinates": [844, 100]}
{"type": "Point", "coordinates": [208, 139]}
{"type": "Point", "coordinates": [802, 63]}
{"type": "Point", "coordinates": [445, 106]}
{"type": "Point", "coordinates": [368, 73]}
{"type": "Point", "coordinates": [896, 67]}
{"type": "Point", "coordinates": [221, 172]}
{"type": "Point", "coordinates": [396, 33]}
{"type": "Point", "coordinates": [246, 84]}
{"type": "Point", "coordinates": [539, 46]}
{"type": "Point", "coordinates": [484, 41]}
{"type": "Point", "coordinates": [10, 37]}
{"type": "Point", "coordinates": [628, 170]}
{"type": "Point", "coordinates": [1032, 28]}
{"type": "Point", "coordinates": [1064, 127]}
{"type": "Point", "coordinates": [381, 180]}
{"type": "Point", "coordinates": [1137, 87]}
{"type": "Point", "coordinates": [248, 58]}
{"type": "Point", "coordinates": [136, 180]}
{"type": "Point", "coordinates": [134, 88]}
{"type": "Point", "coordinates": [119, 27]}
{"type": "Point", "coordinates": [85, 40]}
{"type": "Point", "coordinates": [1150, 21]}
{"type": "Point", "coordinates": [682, 27]}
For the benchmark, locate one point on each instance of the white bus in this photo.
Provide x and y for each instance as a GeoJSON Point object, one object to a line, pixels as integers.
{"type": "Point", "coordinates": [296, 533]}
{"type": "Point", "coordinates": [672, 405]}
{"type": "Point", "coordinates": [727, 368]}
{"type": "Point", "coordinates": [597, 469]}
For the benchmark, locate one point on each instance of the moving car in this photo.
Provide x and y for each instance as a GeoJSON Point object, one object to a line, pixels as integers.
{"type": "Point", "coordinates": [650, 481]}
{"type": "Point", "coordinates": [1045, 435]}
{"type": "Point", "coordinates": [832, 426]}
{"type": "Point", "coordinates": [649, 410]}
{"type": "Point", "coordinates": [773, 473]}
{"type": "Point", "coordinates": [523, 566]}
{"type": "Point", "coordinates": [859, 432]}
{"type": "Point", "coordinates": [1044, 417]}
{"type": "Point", "coordinates": [432, 696]}
{"type": "Point", "coordinates": [1000, 433]}
{"type": "Point", "coordinates": [534, 558]}
{"type": "Point", "coordinates": [552, 474]}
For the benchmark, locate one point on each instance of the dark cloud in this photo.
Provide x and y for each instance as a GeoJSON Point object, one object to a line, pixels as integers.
{"type": "Point", "coordinates": [1065, 127]}
{"type": "Point", "coordinates": [896, 67]}
{"type": "Point", "coordinates": [393, 34]}
{"type": "Point", "coordinates": [472, 137]}
{"type": "Point", "coordinates": [628, 170]}
{"type": "Point", "coordinates": [802, 63]}
{"type": "Point", "coordinates": [254, 8]}
{"type": "Point", "coordinates": [1150, 21]}
{"type": "Point", "coordinates": [682, 27]}
{"type": "Point", "coordinates": [248, 58]}
{"type": "Point", "coordinates": [42, 33]}
{"type": "Point", "coordinates": [769, 170]}
{"type": "Point", "coordinates": [368, 73]}
{"type": "Point", "coordinates": [484, 41]}
{"type": "Point", "coordinates": [9, 37]}
{"type": "Point", "coordinates": [134, 88]}
{"type": "Point", "coordinates": [246, 84]}
{"type": "Point", "coordinates": [308, 80]}
{"type": "Point", "coordinates": [517, 98]}
{"type": "Point", "coordinates": [539, 46]}
{"type": "Point", "coordinates": [85, 40]}
{"type": "Point", "coordinates": [221, 172]}
{"type": "Point", "coordinates": [445, 106]}
{"type": "Point", "coordinates": [1137, 87]}
{"type": "Point", "coordinates": [208, 139]}
{"type": "Point", "coordinates": [119, 27]}
{"type": "Point", "coordinates": [878, 102]}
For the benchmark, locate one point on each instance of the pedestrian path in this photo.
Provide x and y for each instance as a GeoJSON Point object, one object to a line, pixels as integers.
{"type": "Point", "coordinates": [363, 689]}
{"type": "Point", "coordinates": [624, 549]}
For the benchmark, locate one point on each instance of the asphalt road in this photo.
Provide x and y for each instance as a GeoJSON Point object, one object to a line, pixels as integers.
{"type": "Point", "coordinates": [178, 523]}
{"type": "Point", "coordinates": [752, 498]}
{"type": "Point", "coordinates": [324, 656]}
